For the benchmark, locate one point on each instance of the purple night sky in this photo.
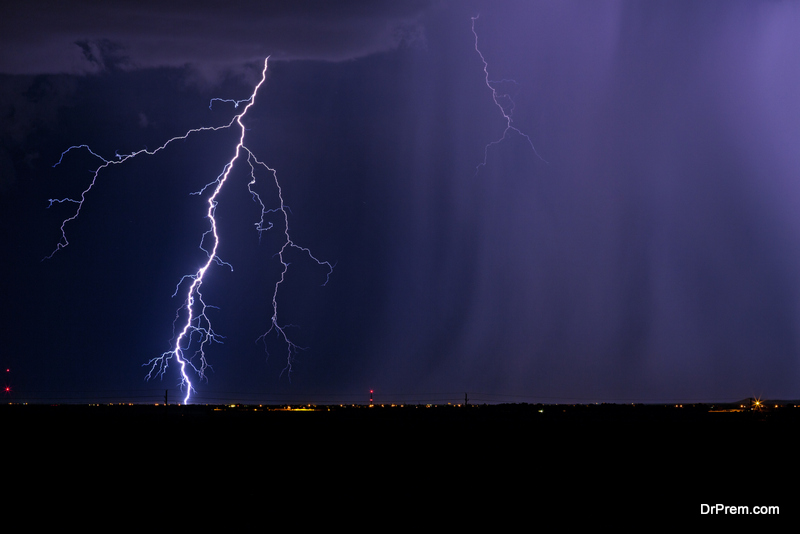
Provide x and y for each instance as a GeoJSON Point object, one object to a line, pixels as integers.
{"type": "Point", "coordinates": [651, 254]}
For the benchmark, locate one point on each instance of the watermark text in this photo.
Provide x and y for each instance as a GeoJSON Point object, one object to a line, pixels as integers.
{"type": "Point", "coordinates": [721, 509]}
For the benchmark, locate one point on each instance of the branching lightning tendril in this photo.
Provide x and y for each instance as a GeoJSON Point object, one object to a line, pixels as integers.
{"type": "Point", "coordinates": [499, 98]}
{"type": "Point", "coordinates": [196, 330]}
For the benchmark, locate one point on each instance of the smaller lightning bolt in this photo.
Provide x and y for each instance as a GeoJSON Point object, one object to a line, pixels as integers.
{"type": "Point", "coordinates": [499, 98]}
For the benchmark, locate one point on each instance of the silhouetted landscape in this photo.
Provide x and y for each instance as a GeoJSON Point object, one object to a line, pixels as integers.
{"type": "Point", "coordinates": [745, 414]}
{"type": "Point", "coordinates": [603, 458]}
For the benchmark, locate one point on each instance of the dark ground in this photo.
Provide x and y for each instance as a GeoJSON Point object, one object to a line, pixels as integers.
{"type": "Point", "coordinates": [617, 462]}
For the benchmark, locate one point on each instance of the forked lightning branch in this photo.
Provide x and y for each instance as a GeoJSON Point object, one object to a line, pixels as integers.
{"type": "Point", "coordinates": [193, 331]}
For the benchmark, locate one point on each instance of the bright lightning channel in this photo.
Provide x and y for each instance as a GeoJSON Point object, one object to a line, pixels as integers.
{"type": "Point", "coordinates": [197, 326]}
{"type": "Point", "coordinates": [499, 98]}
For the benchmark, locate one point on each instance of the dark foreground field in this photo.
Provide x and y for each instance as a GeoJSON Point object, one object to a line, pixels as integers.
{"type": "Point", "coordinates": [524, 418]}
{"type": "Point", "coordinates": [718, 425]}
{"type": "Point", "coordinates": [564, 460]}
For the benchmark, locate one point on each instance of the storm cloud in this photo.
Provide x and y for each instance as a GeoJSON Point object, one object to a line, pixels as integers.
{"type": "Point", "coordinates": [51, 37]}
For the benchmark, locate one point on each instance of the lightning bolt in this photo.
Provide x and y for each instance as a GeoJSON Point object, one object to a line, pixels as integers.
{"type": "Point", "coordinates": [503, 101]}
{"type": "Point", "coordinates": [196, 330]}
